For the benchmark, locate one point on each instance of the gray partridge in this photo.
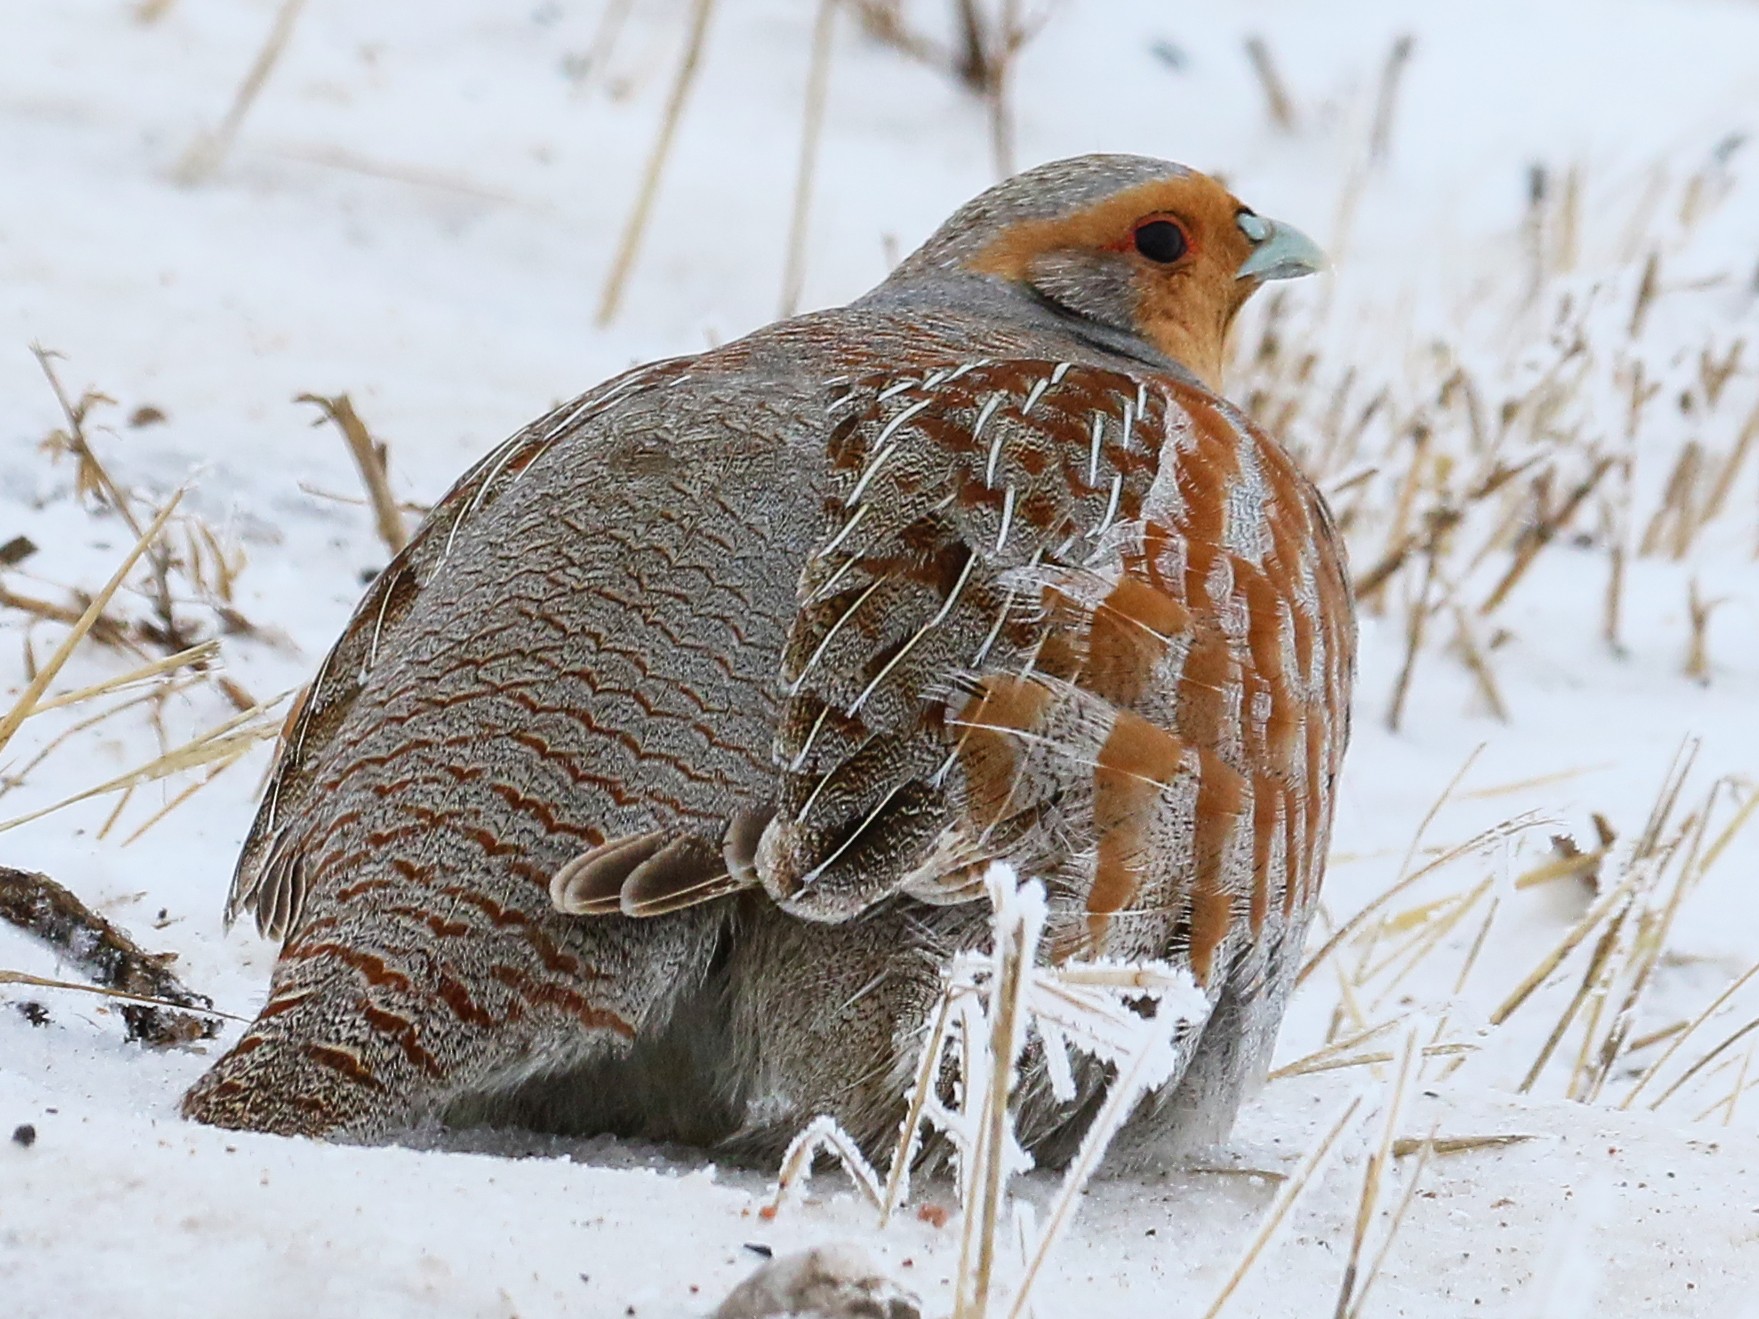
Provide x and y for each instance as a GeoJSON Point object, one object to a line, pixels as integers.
{"type": "Point", "coordinates": [648, 789]}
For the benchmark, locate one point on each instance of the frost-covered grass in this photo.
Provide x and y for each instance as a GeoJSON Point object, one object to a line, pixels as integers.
{"type": "Point", "coordinates": [1528, 386]}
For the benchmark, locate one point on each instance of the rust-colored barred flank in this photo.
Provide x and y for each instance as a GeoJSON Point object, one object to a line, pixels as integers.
{"type": "Point", "coordinates": [1089, 622]}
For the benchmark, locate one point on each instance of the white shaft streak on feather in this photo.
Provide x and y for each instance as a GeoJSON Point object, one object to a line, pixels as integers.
{"type": "Point", "coordinates": [842, 533]}
{"type": "Point", "coordinates": [593, 402]}
{"type": "Point", "coordinates": [1034, 394]}
{"type": "Point", "coordinates": [995, 458]}
{"type": "Point", "coordinates": [817, 872]}
{"type": "Point", "coordinates": [799, 761]}
{"type": "Point", "coordinates": [504, 455]}
{"type": "Point", "coordinates": [896, 388]}
{"type": "Point", "coordinates": [865, 990]}
{"type": "Point", "coordinates": [883, 449]}
{"type": "Point", "coordinates": [452, 533]}
{"type": "Point", "coordinates": [994, 631]}
{"type": "Point", "coordinates": [830, 635]}
{"type": "Point", "coordinates": [309, 707]}
{"type": "Point", "coordinates": [1007, 518]}
{"type": "Point", "coordinates": [835, 580]}
{"type": "Point", "coordinates": [269, 807]}
{"type": "Point", "coordinates": [940, 775]}
{"type": "Point", "coordinates": [372, 650]}
{"type": "Point", "coordinates": [824, 781]}
{"type": "Point", "coordinates": [939, 618]}
{"type": "Point", "coordinates": [984, 413]}
{"type": "Point", "coordinates": [1002, 614]}
{"type": "Point", "coordinates": [1094, 447]}
{"type": "Point", "coordinates": [1129, 421]}
{"type": "Point", "coordinates": [1059, 371]}
{"type": "Point", "coordinates": [829, 587]}
{"type": "Point", "coordinates": [1111, 507]}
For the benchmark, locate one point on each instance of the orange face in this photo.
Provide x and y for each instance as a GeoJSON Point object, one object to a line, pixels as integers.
{"type": "Point", "coordinates": [1172, 260]}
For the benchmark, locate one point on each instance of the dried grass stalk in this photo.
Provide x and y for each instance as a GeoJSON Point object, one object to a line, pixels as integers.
{"type": "Point", "coordinates": [1276, 94]}
{"type": "Point", "coordinates": [371, 458]}
{"type": "Point", "coordinates": [33, 692]}
{"type": "Point", "coordinates": [624, 262]}
{"type": "Point", "coordinates": [1386, 104]}
{"type": "Point", "coordinates": [818, 82]}
{"type": "Point", "coordinates": [1290, 1192]}
{"type": "Point", "coordinates": [208, 151]}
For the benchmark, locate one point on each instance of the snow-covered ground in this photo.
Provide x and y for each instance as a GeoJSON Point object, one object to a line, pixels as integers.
{"type": "Point", "coordinates": [420, 211]}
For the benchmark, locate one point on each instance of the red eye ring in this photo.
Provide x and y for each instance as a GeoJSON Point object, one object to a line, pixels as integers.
{"type": "Point", "coordinates": [1161, 240]}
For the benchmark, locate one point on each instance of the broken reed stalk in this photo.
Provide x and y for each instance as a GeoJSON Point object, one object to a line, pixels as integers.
{"type": "Point", "coordinates": [1727, 1043]}
{"type": "Point", "coordinates": [1344, 1061]}
{"type": "Point", "coordinates": [1436, 526]}
{"type": "Point", "coordinates": [1648, 945]}
{"type": "Point", "coordinates": [1423, 1150]}
{"type": "Point", "coordinates": [106, 630]}
{"type": "Point", "coordinates": [1427, 938]}
{"type": "Point", "coordinates": [33, 692]}
{"type": "Point", "coordinates": [371, 461]}
{"type": "Point", "coordinates": [1675, 511]}
{"type": "Point", "coordinates": [1596, 980]}
{"type": "Point", "coordinates": [93, 477]}
{"type": "Point", "coordinates": [18, 776]}
{"type": "Point", "coordinates": [1724, 481]}
{"type": "Point", "coordinates": [1646, 291]}
{"type": "Point", "coordinates": [1276, 94]}
{"type": "Point", "coordinates": [897, 1185]}
{"type": "Point", "coordinates": [1734, 1095]}
{"type": "Point", "coordinates": [207, 152]}
{"type": "Point", "coordinates": [1018, 939]}
{"type": "Point", "coordinates": [883, 20]}
{"type": "Point", "coordinates": [1386, 103]}
{"type": "Point", "coordinates": [1320, 1059]}
{"type": "Point", "coordinates": [1698, 611]}
{"type": "Point", "coordinates": [1407, 877]}
{"type": "Point", "coordinates": [1001, 112]}
{"type": "Point", "coordinates": [1421, 609]}
{"type": "Point", "coordinates": [1374, 1172]}
{"type": "Point", "coordinates": [1673, 1046]}
{"type": "Point", "coordinates": [624, 262]}
{"type": "Point", "coordinates": [604, 41]}
{"type": "Point", "coordinates": [1477, 662]}
{"type": "Point", "coordinates": [49, 982]}
{"type": "Point", "coordinates": [1543, 534]}
{"type": "Point", "coordinates": [818, 81]}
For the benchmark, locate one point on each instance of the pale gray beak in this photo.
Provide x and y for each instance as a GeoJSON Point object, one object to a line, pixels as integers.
{"type": "Point", "coordinates": [1280, 251]}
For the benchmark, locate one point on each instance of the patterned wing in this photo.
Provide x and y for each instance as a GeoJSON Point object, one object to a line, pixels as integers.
{"type": "Point", "coordinates": [1093, 624]}
{"type": "Point", "coordinates": [268, 881]}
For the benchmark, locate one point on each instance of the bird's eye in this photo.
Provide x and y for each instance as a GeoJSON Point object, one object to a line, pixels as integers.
{"type": "Point", "coordinates": [1161, 240]}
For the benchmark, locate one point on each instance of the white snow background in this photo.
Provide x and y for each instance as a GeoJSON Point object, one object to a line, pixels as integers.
{"type": "Point", "coordinates": [421, 209]}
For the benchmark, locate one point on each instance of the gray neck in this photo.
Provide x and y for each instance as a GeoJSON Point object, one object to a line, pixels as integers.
{"type": "Point", "coordinates": [988, 297]}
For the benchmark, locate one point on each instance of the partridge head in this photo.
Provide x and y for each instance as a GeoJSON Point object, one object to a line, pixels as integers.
{"type": "Point", "coordinates": [1145, 253]}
